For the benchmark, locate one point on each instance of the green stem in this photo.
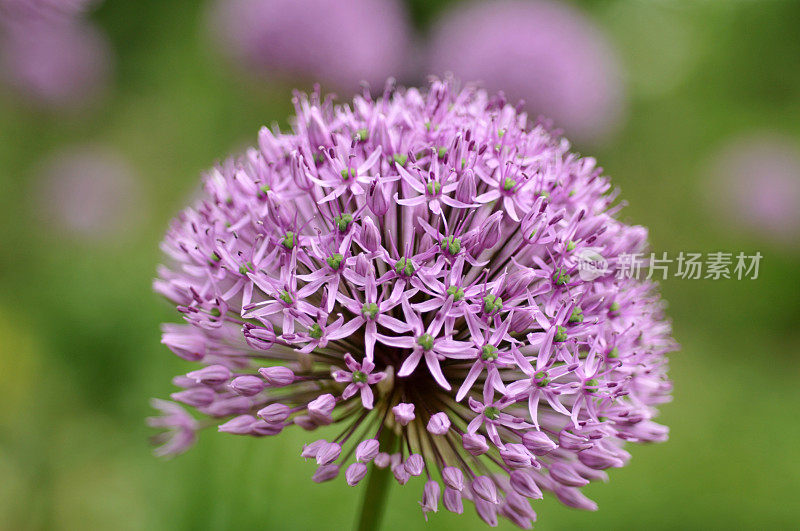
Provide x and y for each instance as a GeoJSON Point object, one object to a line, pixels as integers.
{"type": "Point", "coordinates": [377, 488]}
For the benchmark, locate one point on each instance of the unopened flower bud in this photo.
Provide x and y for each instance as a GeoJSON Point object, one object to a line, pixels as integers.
{"type": "Point", "coordinates": [538, 443]}
{"type": "Point", "coordinates": [523, 483]}
{"type": "Point", "coordinates": [566, 475]}
{"type": "Point", "coordinates": [325, 473]}
{"type": "Point", "coordinates": [414, 464]}
{"type": "Point", "coordinates": [376, 199]}
{"type": "Point", "coordinates": [305, 422]}
{"type": "Point", "coordinates": [475, 443]}
{"type": "Point", "coordinates": [311, 449]}
{"type": "Point", "coordinates": [274, 413]}
{"type": "Point", "coordinates": [484, 487]}
{"type": "Point", "coordinates": [367, 450]}
{"type": "Point", "coordinates": [466, 189]}
{"type": "Point", "coordinates": [261, 428]}
{"type": "Point", "coordinates": [195, 396]}
{"type": "Point", "coordinates": [452, 501]}
{"type": "Point", "coordinates": [238, 425]}
{"type": "Point", "coordinates": [320, 408]}
{"type": "Point", "coordinates": [382, 460]}
{"type": "Point", "coordinates": [328, 453]}
{"type": "Point", "coordinates": [400, 474]}
{"type": "Point", "coordinates": [355, 473]}
{"type": "Point", "coordinates": [516, 456]}
{"type": "Point", "coordinates": [439, 424]}
{"type": "Point", "coordinates": [277, 376]}
{"type": "Point", "coordinates": [211, 375]}
{"type": "Point", "coordinates": [247, 385]}
{"type": "Point", "coordinates": [403, 413]}
{"type": "Point", "coordinates": [430, 498]}
{"type": "Point", "coordinates": [370, 236]}
{"type": "Point", "coordinates": [573, 497]}
{"type": "Point", "coordinates": [453, 478]}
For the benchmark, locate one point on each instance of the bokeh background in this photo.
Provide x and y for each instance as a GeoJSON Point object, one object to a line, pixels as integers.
{"type": "Point", "coordinates": [692, 107]}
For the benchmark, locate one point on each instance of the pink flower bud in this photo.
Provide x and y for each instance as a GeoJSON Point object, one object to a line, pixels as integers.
{"type": "Point", "coordinates": [430, 498]}
{"type": "Point", "coordinates": [320, 408]}
{"type": "Point", "coordinates": [414, 464]}
{"type": "Point", "coordinates": [258, 337]}
{"type": "Point", "coordinates": [570, 441]}
{"type": "Point", "coordinates": [484, 487]}
{"type": "Point", "coordinates": [195, 397]}
{"type": "Point", "coordinates": [363, 266]}
{"type": "Point", "coordinates": [520, 505]}
{"type": "Point", "coordinates": [599, 459]}
{"type": "Point", "coordinates": [274, 413]}
{"type": "Point", "coordinates": [261, 428]}
{"type": "Point", "coordinates": [453, 478]}
{"type": "Point", "coordinates": [403, 413]}
{"type": "Point", "coordinates": [328, 453]}
{"type": "Point", "coordinates": [305, 422]}
{"type": "Point", "coordinates": [325, 473]}
{"type": "Point", "coordinates": [370, 236]}
{"type": "Point", "coordinates": [516, 456]}
{"type": "Point", "coordinates": [523, 483]}
{"type": "Point", "coordinates": [355, 473]}
{"type": "Point", "coordinates": [566, 475]}
{"type": "Point", "coordinates": [452, 501]}
{"type": "Point", "coordinates": [466, 189]}
{"type": "Point", "coordinates": [382, 460]}
{"type": "Point", "coordinates": [367, 450]}
{"type": "Point", "coordinates": [400, 474]}
{"type": "Point", "coordinates": [376, 199]}
{"type": "Point", "coordinates": [229, 406]}
{"type": "Point", "coordinates": [247, 385]}
{"type": "Point", "coordinates": [211, 375]}
{"type": "Point", "coordinates": [311, 449]}
{"type": "Point", "coordinates": [238, 425]}
{"type": "Point", "coordinates": [489, 232]}
{"type": "Point", "coordinates": [475, 443]}
{"type": "Point", "coordinates": [486, 510]}
{"type": "Point", "coordinates": [574, 498]}
{"type": "Point", "coordinates": [439, 424]}
{"type": "Point", "coordinates": [277, 376]}
{"type": "Point", "coordinates": [184, 341]}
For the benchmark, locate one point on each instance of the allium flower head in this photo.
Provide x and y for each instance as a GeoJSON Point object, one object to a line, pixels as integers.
{"type": "Point", "coordinates": [407, 268]}
{"type": "Point", "coordinates": [544, 52]}
{"type": "Point", "coordinates": [335, 42]}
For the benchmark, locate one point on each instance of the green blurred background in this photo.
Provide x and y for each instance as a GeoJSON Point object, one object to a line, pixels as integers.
{"type": "Point", "coordinates": [79, 325]}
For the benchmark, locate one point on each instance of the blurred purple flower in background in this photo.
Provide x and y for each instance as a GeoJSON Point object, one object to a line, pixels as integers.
{"type": "Point", "coordinates": [754, 184]}
{"type": "Point", "coordinates": [335, 42]}
{"type": "Point", "coordinates": [546, 53]}
{"type": "Point", "coordinates": [50, 55]}
{"type": "Point", "coordinates": [90, 192]}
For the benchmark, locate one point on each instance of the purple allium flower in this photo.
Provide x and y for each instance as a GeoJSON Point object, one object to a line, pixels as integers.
{"type": "Point", "coordinates": [50, 55]}
{"type": "Point", "coordinates": [336, 42]}
{"type": "Point", "coordinates": [91, 192]}
{"type": "Point", "coordinates": [754, 184]}
{"type": "Point", "coordinates": [546, 53]}
{"type": "Point", "coordinates": [461, 340]}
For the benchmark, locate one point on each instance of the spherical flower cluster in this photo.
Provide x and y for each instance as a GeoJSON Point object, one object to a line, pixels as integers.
{"type": "Point", "coordinates": [409, 268]}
